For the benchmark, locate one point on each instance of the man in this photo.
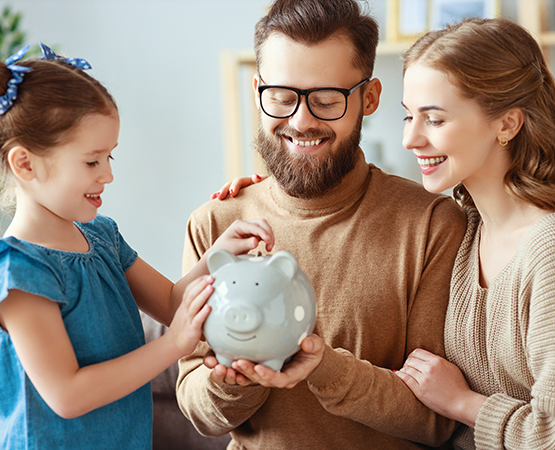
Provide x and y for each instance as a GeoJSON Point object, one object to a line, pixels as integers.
{"type": "Point", "coordinates": [378, 249]}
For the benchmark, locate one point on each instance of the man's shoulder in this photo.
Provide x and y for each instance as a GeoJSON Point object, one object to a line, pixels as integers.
{"type": "Point", "coordinates": [404, 189]}
{"type": "Point", "coordinates": [245, 203]}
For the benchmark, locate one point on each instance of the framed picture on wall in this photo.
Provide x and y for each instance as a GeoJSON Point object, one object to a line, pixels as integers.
{"type": "Point", "coordinates": [408, 19]}
{"type": "Point", "coordinates": [549, 17]}
{"type": "Point", "coordinates": [452, 11]}
{"type": "Point", "coordinates": [413, 18]}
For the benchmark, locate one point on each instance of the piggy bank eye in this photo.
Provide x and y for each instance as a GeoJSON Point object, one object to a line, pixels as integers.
{"type": "Point", "coordinates": [256, 284]}
{"type": "Point", "coordinates": [234, 282]}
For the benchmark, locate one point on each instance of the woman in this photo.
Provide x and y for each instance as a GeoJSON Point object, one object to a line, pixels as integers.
{"type": "Point", "coordinates": [480, 105]}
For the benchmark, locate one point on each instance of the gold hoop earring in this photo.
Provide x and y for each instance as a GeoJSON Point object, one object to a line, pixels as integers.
{"type": "Point", "coordinates": [503, 141]}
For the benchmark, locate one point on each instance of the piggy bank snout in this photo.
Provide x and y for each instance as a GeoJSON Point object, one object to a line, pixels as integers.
{"type": "Point", "coordinates": [242, 317]}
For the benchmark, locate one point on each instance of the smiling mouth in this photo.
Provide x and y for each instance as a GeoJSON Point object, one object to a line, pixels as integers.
{"type": "Point", "coordinates": [431, 162]}
{"type": "Point", "coordinates": [311, 143]}
{"type": "Point", "coordinates": [241, 340]}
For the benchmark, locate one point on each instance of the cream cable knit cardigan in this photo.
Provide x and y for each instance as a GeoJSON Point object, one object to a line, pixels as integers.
{"type": "Point", "coordinates": [503, 339]}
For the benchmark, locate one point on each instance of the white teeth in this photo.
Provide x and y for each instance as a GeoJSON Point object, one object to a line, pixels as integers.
{"type": "Point", "coordinates": [431, 161]}
{"type": "Point", "coordinates": [92, 195]}
{"type": "Point", "coordinates": [306, 143]}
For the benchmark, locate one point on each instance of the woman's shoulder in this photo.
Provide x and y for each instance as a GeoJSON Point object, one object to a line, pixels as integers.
{"type": "Point", "coordinates": [539, 243]}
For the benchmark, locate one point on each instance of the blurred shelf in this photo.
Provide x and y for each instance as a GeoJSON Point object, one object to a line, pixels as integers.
{"type": "Point", "coordinates": [393, 48]}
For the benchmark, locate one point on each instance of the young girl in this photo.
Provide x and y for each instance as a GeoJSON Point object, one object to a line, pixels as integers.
{"type": "Point", "coordinates": [75, 368]}
{"type": "Point", "coordinates": [480, 105]}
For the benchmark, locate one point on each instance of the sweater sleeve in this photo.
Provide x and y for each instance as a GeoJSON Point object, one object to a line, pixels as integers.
{"type": "Point", "coordinates": [375, 396]}
{"type": "Point", "coordinates": [213, 409]}
{"type": "Point", "coordinates": [507, 422]}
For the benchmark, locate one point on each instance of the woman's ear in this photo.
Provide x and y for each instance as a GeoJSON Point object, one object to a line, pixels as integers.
{"type": "Point", "coordinates": [511, 123]}
{"type": "Point", "coordinates": [20, 160]}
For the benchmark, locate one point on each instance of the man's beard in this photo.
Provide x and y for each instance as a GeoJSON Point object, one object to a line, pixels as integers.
{"type": "Point", "coordinates": [307, 176]}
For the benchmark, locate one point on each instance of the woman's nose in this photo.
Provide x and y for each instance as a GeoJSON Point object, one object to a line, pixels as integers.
{"type": "Point", "coordinates": [413, 136]}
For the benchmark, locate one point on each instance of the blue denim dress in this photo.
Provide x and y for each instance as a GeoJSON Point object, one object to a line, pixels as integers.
{"type": "Point", "coordinates": [102, 320]}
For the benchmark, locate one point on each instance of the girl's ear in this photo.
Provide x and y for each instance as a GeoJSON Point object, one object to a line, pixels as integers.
{"type": "Point", "coordinates": [20, 160]}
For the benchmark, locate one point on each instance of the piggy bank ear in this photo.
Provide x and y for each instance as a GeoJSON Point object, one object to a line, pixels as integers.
{"type": "Point", "coordinates": [285, 262]}
{"type": "Point", "coordinates": [219, 258]}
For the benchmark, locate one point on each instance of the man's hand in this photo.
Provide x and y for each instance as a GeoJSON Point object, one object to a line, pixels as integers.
{"type": "Point", "coordinates": [302, 365]}
{"type": "Point", "coordinates": [221, 374]}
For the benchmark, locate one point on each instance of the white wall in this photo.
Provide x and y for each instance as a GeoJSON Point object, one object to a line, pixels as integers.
{"type": "Point", "coordinates": [160, 60]}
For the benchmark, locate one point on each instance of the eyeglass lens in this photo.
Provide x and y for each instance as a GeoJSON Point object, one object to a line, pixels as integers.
{"type": "Point", "coordinates": [282, 102]}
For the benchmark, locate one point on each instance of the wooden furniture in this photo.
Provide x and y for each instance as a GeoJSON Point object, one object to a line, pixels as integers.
{"type": "Point", "coordinates": [534, 16]}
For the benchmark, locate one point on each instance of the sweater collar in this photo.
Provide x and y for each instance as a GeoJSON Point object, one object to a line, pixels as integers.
{"type": "Point", "coordinates": [351, 188]}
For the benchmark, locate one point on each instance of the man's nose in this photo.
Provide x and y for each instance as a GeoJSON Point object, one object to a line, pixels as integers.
{"type": "Point", "coordinates": [303, 119]}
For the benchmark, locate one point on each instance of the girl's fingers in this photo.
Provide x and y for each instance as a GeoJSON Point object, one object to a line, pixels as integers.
{"type": "Point", "coordinates": [200, 299]}
{"type": "Point", "coordinates": [201, 316]}
{"type": "Point", "coordinates": [195, 288]}
{"type": "Point", "coordinates": [256, 227]}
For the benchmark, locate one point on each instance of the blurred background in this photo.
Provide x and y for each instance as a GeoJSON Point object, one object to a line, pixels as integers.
{"type": "Point", "coordinates": [162, 61]}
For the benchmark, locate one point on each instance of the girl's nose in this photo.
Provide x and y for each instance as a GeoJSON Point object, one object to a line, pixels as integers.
{"type": "Point", "coordinates": [107, 176]}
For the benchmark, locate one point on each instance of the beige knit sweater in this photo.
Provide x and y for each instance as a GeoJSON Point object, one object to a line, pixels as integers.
{"type": "Point", "coordinates": [503, 339]}
{"type": "Point", "coordinates": [379, 251]}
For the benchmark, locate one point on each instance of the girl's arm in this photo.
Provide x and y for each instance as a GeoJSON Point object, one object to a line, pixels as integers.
{"type": "Point", "coordinates": [43, 346]}
{"type": "Point", "coordinates": [441, 386]}
{"type": "Point", "coordinates": [159, 297]}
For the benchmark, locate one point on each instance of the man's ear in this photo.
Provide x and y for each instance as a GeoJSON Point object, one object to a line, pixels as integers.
{"type": "Point", "coordinates": [255, 83]}
{"type": "Point", "coordinates": [371, 97]}
{"type": "Point", "coordinates": [20, 160]}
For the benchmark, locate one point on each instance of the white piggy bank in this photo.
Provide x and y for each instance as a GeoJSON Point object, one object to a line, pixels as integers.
{"type": "Point", "coordinates": [262, 308]}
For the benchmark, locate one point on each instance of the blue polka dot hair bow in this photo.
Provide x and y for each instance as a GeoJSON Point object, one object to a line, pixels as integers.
{"type": "Point", "coordinates": [6, 101]}
{"type": "Point", "coordinates": [48, 53]}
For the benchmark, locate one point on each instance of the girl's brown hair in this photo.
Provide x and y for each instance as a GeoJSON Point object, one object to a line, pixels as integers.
{"type": "Point", "coordinates": [498, 64]}
{"type": "Point", "coordinates": [51, 102]}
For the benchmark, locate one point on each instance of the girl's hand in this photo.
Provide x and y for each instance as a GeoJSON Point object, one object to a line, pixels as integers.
{"type": "Point", "coordinates": [242, 236]}
{"type": "Point", "coordinates": [441, 386]}
{"type": "Point", "coordinates": [232, 188]}
{"type": "Point", "coordinates": [186, 327]}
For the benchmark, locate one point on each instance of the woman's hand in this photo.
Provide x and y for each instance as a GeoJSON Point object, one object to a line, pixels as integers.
{"type": "Point", "coordinates": [232, 188]}
{"type": "Point", "coordinates": [441, 386]}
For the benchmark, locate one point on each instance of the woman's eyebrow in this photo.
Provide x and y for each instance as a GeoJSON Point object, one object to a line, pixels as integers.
{"type": "Point", "coordinates": [425, 108]}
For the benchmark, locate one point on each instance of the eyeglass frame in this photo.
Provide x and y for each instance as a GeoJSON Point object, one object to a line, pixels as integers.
{"type": "Point", "coordinates": [306, 92]}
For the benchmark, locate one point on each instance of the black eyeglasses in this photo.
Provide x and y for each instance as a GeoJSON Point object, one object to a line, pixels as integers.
{"type": "Point", "coordinates": [281, 102]}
